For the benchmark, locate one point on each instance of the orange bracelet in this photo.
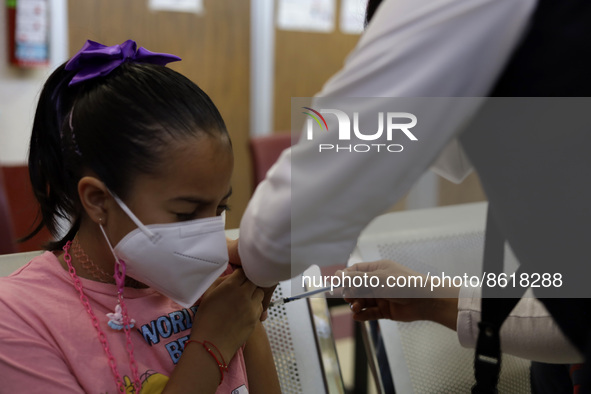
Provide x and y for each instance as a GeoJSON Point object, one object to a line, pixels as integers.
{"type": "Point", "coordinates": [222, 366]}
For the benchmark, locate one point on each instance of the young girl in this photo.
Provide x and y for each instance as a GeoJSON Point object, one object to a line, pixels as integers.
{"type": "Point", "coordinates": [138, 160]}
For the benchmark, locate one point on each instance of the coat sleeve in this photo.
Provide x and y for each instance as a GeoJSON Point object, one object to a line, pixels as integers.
{"type": "Point", "coordinates": [529, 331]}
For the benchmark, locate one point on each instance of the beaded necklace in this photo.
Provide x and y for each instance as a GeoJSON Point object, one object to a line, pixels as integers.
{"type": "Point", "coordinates": [119, 280]}
{"type": "Point", "coordinates": [94, 270]}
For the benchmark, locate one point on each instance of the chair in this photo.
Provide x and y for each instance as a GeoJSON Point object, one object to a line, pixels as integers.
{"type": "Point", "coordinates": [265, 151]}
{"type": "Point", "coordinates": [11, 262]}
{"type": "Point", "coordinates": [7, 239]}
{"type": "Point", "coordinates": [425, 357]}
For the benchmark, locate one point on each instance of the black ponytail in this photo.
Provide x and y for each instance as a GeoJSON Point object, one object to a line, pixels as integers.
{"type": "Point", "coordinates": [116, 126]}
{"type": "Point", "coordinates": [50, 166]}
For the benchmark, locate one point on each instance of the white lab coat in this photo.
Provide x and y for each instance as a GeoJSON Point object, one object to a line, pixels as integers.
{"type": "Point", "coordinates": [426, 48]}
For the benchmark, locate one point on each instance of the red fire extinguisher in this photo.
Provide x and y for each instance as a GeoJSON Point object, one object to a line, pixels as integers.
{"type": "Point", "coordinates": [28, 32]}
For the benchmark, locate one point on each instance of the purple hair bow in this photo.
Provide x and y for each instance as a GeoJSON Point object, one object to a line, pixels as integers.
{"type": "Point", "coordinates": [97, 60]}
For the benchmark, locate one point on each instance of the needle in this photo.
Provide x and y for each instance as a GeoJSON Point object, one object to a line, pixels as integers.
{"type": "Point", "coordinates": [285, 300]}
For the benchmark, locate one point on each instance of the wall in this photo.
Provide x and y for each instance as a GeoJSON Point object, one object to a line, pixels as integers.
{"type": "Point", "coordinates": [19, 89]}
{"type": "Point", "coordinates": [304, 61]}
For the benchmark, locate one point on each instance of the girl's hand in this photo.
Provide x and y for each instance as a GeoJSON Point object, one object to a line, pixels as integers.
{"type": "Point", "coordinates": [228, 313]}
{"type": "Point", "coordinates": [235, 260]}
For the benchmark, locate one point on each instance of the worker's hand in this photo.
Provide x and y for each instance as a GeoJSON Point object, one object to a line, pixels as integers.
{"type": "Point", "coordinates": [383, 279]}
{"type": "Point", "coordinates": [379, 297]}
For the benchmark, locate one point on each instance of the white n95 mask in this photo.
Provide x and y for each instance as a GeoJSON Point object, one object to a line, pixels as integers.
{"type": "Point", "coordinates": [179, 260]}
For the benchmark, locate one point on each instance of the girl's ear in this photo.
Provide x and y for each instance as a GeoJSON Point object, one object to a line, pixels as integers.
{"type": "Point", "coordinates": [94, 196]}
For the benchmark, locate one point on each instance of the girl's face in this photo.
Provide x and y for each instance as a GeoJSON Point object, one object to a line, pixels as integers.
{"type": "Point", "coordinates": [192, 182]}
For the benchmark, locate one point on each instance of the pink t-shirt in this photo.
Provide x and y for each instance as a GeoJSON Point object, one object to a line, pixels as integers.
{"type": "Point", "coordinates": [49, 345]}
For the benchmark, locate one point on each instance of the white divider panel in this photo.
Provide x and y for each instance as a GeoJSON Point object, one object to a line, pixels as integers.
{"type": "Point", "coordinates": [426, 357]}
{"type": "Point", "coordinates": [291, 334]}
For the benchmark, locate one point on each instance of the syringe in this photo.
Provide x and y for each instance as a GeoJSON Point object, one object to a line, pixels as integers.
{"type": "Point", "coordinates": [285, 300]}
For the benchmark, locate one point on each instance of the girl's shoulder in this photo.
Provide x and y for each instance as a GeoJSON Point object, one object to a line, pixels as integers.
{"type": "Point", "coordinates": [29, 295]}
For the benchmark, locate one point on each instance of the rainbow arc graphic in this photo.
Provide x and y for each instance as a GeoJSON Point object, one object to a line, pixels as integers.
{"type": "Point", "coordinates": [318, 115]}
